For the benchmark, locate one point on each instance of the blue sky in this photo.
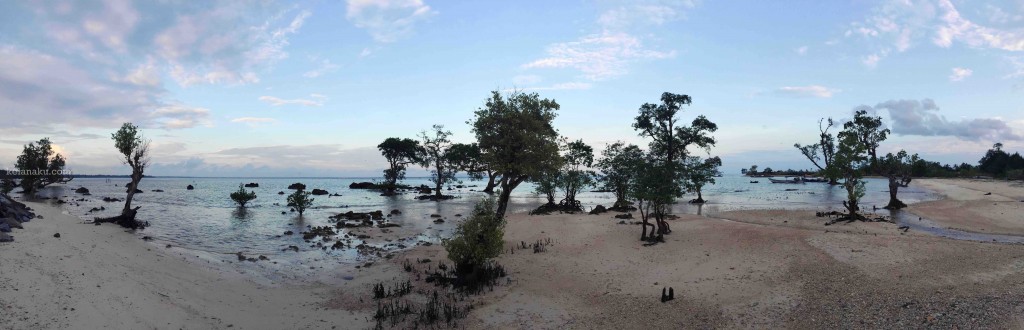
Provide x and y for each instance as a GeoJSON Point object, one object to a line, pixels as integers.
{"type": "Point", "coordinates": [310, 88]}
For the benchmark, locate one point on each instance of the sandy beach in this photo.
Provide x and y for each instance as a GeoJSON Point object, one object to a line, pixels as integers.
{"type": "Point", "coordinates": [744, 269]}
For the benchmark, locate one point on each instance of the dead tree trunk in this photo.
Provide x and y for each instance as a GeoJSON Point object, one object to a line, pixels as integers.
{"type": "Point", "coordinates": [894, 203]}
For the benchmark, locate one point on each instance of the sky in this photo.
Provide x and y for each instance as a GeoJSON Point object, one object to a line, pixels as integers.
{"type": "Point", "coordinates": [309, 88]}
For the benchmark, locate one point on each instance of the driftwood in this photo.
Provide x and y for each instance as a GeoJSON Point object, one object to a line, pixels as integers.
{"type": "Point", "coordinates": [126, 220]}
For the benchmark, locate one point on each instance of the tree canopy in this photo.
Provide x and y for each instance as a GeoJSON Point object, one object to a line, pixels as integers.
{"type": "Point", "coordinates": [517, 138]}
{"type": "Point", "coordinates": [40, 166]}
{"type": "Point", "coordinates": [399, 153]}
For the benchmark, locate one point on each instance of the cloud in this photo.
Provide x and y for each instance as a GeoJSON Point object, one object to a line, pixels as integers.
{"type": "Point", "coordinates": [387, 20]}
{"type": "Point", "coordinates": [644, 13]}
{"type": "Point", "coordinates": [959, 74]}
{"type": "Point", "coordinates": [178, 116]}
{"type": "Point", "coordinates": [899, 25]}
{"type": "Point", "coordinates": [324, 66]}
{"type": "Point", "coordinates": [254, 121]}
{"type": "Point", "coordinates": [913, 117]}
{"type": "Point", "coordinates": [559, 86]}
{"type": "Point", "coordinates": [598, 56]}
{"type": "Point", "coordinates": [274, 101]}
{"type": "Point", "coordinates": [807, 91]}
{"type": "Point", "coordinates": [802, 50]}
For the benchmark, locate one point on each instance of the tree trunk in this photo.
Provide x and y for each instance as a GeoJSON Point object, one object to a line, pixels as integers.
{"type": "Point", "coordinates": [503, 199]}
{"type": "Point", "coordinates": [136, 177]}
{"type": "Point", "coordinates": [490, 182]}
{"type": "Point", "coordinates": [894, 203]}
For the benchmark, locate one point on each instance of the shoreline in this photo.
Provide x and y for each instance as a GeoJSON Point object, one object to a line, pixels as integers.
{"type": "Point", "coordinates": [761, 268]}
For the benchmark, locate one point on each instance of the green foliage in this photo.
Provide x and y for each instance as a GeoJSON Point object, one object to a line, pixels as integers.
{"type": "Point", "coordinates": [242, 197]}
{"type": "Point", "coordinates": [659, 122]}
{"type": "Point", "coordinates": [821, 154]}
{"type": "Point", "coordinates": [850, 161]}
{"type": "Point", "coordinates": [547, 184]}
{"type": "Point", "coordinates": [699, 173]}
{"type": "Point", "coordinates": [300, 200]}
{"type": "Point", "coordinates": [399, 154]}
{"type": "Point", "coordinates": [436, 144]}
{"type": "Point", "coordinates": [652, 192]}
{"type": "Point", "coordinates": [477, 239]}
{"type": "Point", "coordinates": [999, 163]}
{"type": "Point", "coordinates": [618, 167]}
{"type": "Point", "coordinates": [7, 183]}
{"type": "Point", "coordinates": [869, 132]}
{"type": "Point", "coordinates": [575, 175]}
{"type": "Point", "coordinates": [516, 138]}
{"type": "Point", "coordinates": [898, 169]}
{"type": "Point", "coordinates": [135, 149]}
{"type": "Point", "coordinates": [40, 166]}
{"type": "Point", "coordinates": [467, 157]}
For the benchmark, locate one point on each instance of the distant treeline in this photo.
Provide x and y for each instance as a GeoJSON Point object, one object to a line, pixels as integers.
{"type": "Point", "coordinates": [996, 163]}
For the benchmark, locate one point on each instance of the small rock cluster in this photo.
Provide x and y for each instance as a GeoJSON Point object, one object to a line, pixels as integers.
{"type": "Point", "coordinates": [12, 215]}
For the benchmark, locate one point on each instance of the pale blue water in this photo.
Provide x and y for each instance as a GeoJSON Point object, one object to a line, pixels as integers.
{"type": "Point", "coordinates": [205, 219]}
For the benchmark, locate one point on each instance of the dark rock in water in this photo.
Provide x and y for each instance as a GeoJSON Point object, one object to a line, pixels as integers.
{"type": "Point", "coordinates": [39, 217]}
{"type": "Point", "coordinates": [280, 193]}
{"type": "Point", "coordinates": [362, 185]}
{"type": "Point", "coordinates": [57, 235]}
{"type": "Point", "coordinates": [190, 187]}
{"type": "Point", "coordinates": [389, 225]}
{"type": "Point", "coordinates": [283, 212]}
{"type": "Point", "coordinates": [335, 195]}
{"type": "Point", "coordinates": [598, 209]}
{"type": "Point", "coordinates": [289, 232]}
{"type": "Point", "coordinates": [435, 215]}
{"type": "Point", "coordinates": [82, 190]}
{"type": "Point", "coordinates": [375, 215]}
{"type": "Point", "coordinates": [319, 192]}
{"type": "Point", "coordinates": [439, 221]}
{"type": "Point", "coordinates": [241, 257]}
{"type": "Point", "coordinates": [624, 216]}
{"type": "Point", "coordinates": [157, 190]}
{"type": "Point", "coordinates": [395, 212]}
{"type": "Point", "coordinates": [111, 199]}
{"type": "Point", "coordinates": [293, 248]}
{"type": "Point", "coordinates": [434, 197]}
{"type": "Point", "coordinates": [424, 190]}
{"type": "Point", "coordinates": [252, 185]}
{"type": "Point", "coordinates": [147, 238]}
{"type": "Point", "coordinates": [297, 186]}
{"type": "Point", "coordinates": [4, 238]}
{"type": "Point", "coordinates": [263, 257]}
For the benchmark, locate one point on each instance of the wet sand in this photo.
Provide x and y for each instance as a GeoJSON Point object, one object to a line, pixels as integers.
{"type": "Point", "coordinates": [744, 269]}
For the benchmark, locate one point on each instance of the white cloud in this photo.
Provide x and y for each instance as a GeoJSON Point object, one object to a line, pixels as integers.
{"type": "Point", "coordinates": [387, 20]}
{"type": "Point", "coordinates": [598, 56]}
{"type": "Point", "coordinates": [957, 28]}
{"type": "Point", "coordinates": [559, 86]}
{"type": "Point", "coordinates": [177, 116]}
{"type": "Point", "coordinates": [644, 13]}
{"type": "Point", "coordinates": [960, 73]}
{"type": "Point", "coordinates": [254, 121]}
{"type": "Point", "coordinates": [802, 50]}
{"type": "Point", "coordinates": [807, 91]}
{"type": "Point", "coordinates": [324, 66]}
{"type": "Point", "coordinates": [275, 101]}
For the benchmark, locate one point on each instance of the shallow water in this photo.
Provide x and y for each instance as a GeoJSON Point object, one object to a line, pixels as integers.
{"type": "Point", "coordinates": [205, 219]}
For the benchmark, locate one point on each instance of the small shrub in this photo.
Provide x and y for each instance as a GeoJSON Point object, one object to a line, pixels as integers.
{"type": "Point", "coordinates": [242, 196]}
{"type": "Point", "coordinates": [478, 239]}
{"type": "Point", "coordinates": [300, 200]}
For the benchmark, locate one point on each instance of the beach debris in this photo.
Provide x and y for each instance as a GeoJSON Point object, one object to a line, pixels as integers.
{"type": "Point", "coordinates": [297, 186]}
{"type": "Point", "coordinates": [670, 295]}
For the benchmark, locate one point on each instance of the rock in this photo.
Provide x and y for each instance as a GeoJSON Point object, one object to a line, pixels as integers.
{"type": "Point", "coordinates": [5, 228]}
{"type": "Point", "coordinates": [11, 223]}
{"type": "Point", "coordinates": [4, 238]}
{"type": "Point", "coordinates": [297, 186]}
{"type": "Point", "coordinates": [157, 190]}
{"type": "Point", "coordinates": [280, 193]}
{"type": "Point", "coordinates": [395, 212]}
{"type": "Point", "coordinates": [289, 232]}
{"type": "Point", "coordinates": [111, 199]}
{"type": "Point", "coordinates": [252, 185]}
{"type": "Point", "coordinates": [362, 185]}
{"type": "Point", "coordinates": [624, 216]}
{"type": "Point", "coordinates": [389, 225]}
{"type": "Point", "coordinates": [57, 235]}
{"type": "Point", "coordinates": [435, 215]}
{"type": "Point", "coordinates": [598, 209]}
{"type": "Point", "coordinates": [319, 192]}
{"type": "Point", "coordinates": [241, 257]}
{"type": "Point", "coordinates": [190, 187]}
{"type": "Point", "coordinates": [82, 190]}
{"type": "Point", "coordinates": [439, 221]}
{"type": "Point", "coordinates": [263, 257]}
